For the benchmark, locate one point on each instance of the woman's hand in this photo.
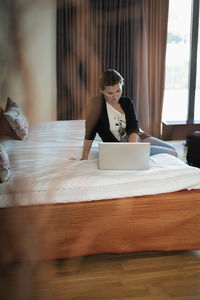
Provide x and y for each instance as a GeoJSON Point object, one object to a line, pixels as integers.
{"type": "Point", "coordinates": [73, 158]}
{"type": "Point", "coordinates": [133, 137]}
{"type": "Point", "coordinates": [86, 149]}
{"type": "Point", "coordinates": [84, 158]}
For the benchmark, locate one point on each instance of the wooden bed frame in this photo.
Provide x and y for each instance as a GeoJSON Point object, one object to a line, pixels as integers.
{"type": "Point", "coordinates": [161, 222]}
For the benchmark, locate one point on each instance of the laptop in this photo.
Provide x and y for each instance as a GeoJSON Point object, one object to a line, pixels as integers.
{"type": "Point", "coordinates": [124, 156]}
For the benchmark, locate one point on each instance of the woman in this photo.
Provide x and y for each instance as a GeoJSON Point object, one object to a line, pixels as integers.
{"type": "Point", "coordinates": [113, 117]}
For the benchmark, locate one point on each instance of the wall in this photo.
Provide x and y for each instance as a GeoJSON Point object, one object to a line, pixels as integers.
{"type": "Point", "coordinates": [30, 70]}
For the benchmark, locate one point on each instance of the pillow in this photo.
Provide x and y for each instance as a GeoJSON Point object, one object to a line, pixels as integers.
{"type": "Point", "coordinates": [14, 121]}
{"type": "Point", "coordinates": [4, 165]}
{"type": "Point", "coordinates": [5, 128]}
{"type": "Point", "coordinates": [2, 130]}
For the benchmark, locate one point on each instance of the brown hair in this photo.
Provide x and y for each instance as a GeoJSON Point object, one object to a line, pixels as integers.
{"type": "Point", "coordinates": [110, 77]}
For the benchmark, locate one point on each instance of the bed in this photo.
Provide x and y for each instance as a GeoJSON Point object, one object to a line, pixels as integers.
{"type": "Point", "coordinates": [53, 207]}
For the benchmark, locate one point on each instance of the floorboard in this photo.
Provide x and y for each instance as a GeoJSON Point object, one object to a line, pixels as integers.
{"type": "Point", "coordinates": [148, 275]}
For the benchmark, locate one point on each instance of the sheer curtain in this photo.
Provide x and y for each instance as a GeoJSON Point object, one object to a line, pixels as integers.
{"type": "Point", "coordinates": [127, 35]}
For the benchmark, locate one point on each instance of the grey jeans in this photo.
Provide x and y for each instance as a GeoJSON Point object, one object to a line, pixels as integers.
{"type": "Point", "coordinates": [159, 146]}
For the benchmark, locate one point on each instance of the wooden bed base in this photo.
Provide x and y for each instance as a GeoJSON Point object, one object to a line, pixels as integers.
{"type": "Point", "coordinates": [161, 222]}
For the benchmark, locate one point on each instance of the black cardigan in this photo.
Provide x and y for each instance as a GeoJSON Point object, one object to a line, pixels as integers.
{"type": "Point", "coordinates": [97, 119]}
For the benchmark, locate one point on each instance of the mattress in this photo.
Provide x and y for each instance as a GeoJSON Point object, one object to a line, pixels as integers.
{"type": "Point", "coordinates": [42, 172]}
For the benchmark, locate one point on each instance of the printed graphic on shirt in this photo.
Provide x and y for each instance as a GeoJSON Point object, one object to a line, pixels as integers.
{"type": "Point", "coordinates": [117, 122]}
{"type": "Point", "coordinates": [121, 130]}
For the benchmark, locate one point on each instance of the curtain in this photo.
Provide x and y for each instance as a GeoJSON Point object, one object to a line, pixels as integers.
{"type": "Point", "coordinates": [126, 35]}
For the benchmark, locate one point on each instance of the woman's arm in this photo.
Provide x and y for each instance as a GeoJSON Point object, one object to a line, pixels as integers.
{"type": "Point", "coordinates": [94, 109]}
{"type": "Point", "coordinates": [131, 117]}
{"type": "Point", "coordinates": [133, 137]}
{"type": "Point", "coordinates": [86, 149]}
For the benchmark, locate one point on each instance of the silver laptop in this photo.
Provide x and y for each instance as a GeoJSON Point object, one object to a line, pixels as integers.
{"type": "Point", "coordinates": [124, 156]}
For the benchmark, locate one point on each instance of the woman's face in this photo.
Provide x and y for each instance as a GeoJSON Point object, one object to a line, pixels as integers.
{"type": "Point", "coordinates": [112, 93]}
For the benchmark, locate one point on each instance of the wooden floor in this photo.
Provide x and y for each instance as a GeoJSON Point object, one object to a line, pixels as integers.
{"type": "Point", "coordinates": [157, 275]}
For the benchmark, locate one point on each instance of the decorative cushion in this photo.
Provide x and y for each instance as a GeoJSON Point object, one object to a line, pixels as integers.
{"type": "Point", "coordinates": [4, 165]}
{"type": "Point", "coordinates": [2, 129]}
{"type": "Point", "coordinates": [5, 128]}
{"type": "Point", "coordinates": [14, 121]}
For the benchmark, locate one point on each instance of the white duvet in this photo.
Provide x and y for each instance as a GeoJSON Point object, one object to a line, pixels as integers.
{"type": "Point", "coordinates": [42, 172]}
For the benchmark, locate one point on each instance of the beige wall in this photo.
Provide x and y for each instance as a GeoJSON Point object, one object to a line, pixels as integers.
{"type": "Point", "coordinates": [33, 83]}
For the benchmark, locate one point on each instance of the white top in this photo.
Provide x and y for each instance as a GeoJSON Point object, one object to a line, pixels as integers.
{"type": "Point", "coordinates": [117, 122]}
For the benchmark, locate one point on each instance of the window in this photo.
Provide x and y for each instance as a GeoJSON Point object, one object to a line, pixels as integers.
{"type": "Point", "coordinates": [197, 94]}
{"type": "Point", "coordinates": [177, 76]}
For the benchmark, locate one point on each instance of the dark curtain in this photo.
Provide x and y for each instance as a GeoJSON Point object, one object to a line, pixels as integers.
{"type": "Point", "coordinates": [94, 35]}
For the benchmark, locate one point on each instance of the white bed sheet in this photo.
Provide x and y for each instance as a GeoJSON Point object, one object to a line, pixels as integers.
{"type": "Point", "coordinates": [42, 172]}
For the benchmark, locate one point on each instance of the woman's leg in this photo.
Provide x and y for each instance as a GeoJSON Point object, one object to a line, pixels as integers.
{"type": "Point", "coordinates": [157, 150]}
{"type": "Point", "coordinates": [159, 146]}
